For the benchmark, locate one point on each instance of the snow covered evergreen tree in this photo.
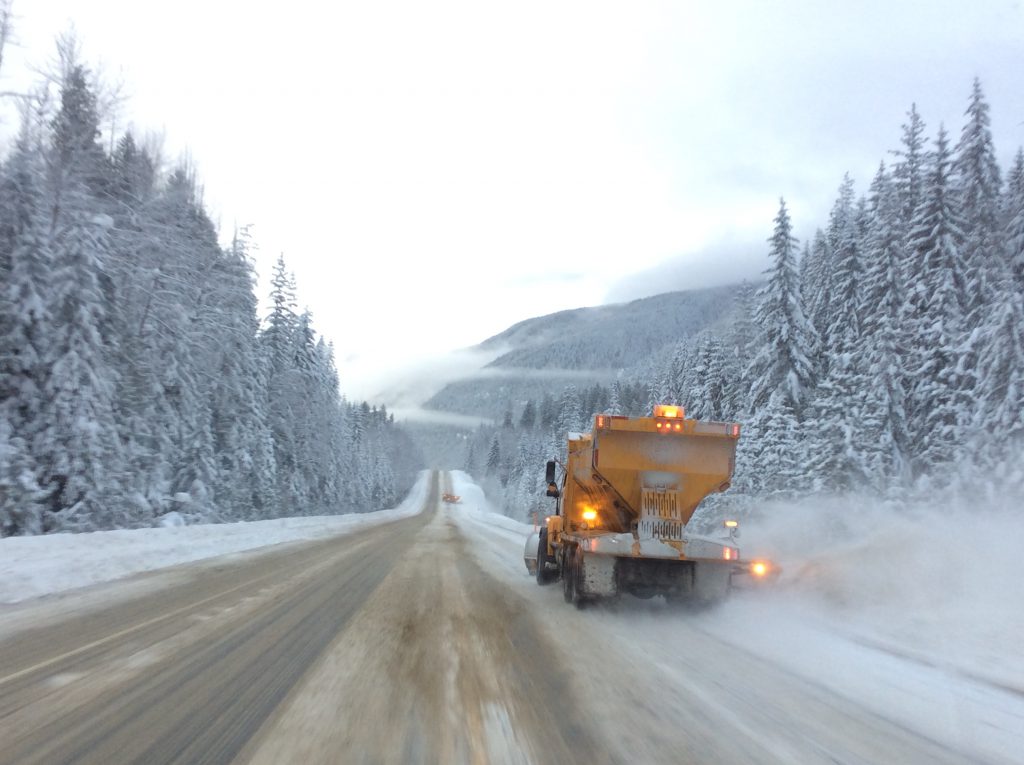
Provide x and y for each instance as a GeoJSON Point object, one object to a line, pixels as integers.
{"type": "Point", "coordinates": [615, 403]}
{"type": "Point", "coordinates": [241, 422]}
{"type": "Point", "coordinates": [528, 419]}
{"type": "Point", "coordinates": [134, 379]}
{"type": "Point", "coordinates": [78, 449]}
{"type": "Point", "coordinates": [910, 169]}
{"type": "Point", "coordinates": [978, 185]}
{"type": "Point", "coordinates": [783, 362]}
{"type": "Point", "coordinates": [816, 283]}
{"type": "Point", "coordinates": [708, 399]}
{"type": "Point", "coordinates": [1013, 216]}
{"type": "Point", "coordinates": [843, 318]}
{"type": "Point", "coordinates": [494, 457]}
{"type": "Point", "coordinates": [25, 326]}
{"type": "Point", "coordinates": [885, 438]}
{"type": "Point", "coordinates": [933, 323]}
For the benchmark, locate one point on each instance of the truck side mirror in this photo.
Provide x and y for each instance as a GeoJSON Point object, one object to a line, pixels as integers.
{"type": "Point", "coordinates": [549, 478]}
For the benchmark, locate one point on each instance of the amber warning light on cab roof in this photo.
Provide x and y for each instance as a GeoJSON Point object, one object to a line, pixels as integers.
{"type": "Point", "coordinates": [665, 410]}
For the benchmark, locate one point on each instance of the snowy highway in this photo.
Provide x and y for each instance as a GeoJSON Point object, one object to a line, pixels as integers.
{"type": "Point", "coordinates": [423, 640]}
{"type": "Point", "coordinates": [187, 673]}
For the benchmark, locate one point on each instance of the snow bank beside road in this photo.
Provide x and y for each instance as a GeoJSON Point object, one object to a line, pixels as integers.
{"type": "Point", "coordinates": [474, 502]}
{"type": "Point", "coordinates": [34, 566]}
{"type": "Point", "coordinates": [915, 617]}
{"type": "Point", "coordinates": [940, 584]}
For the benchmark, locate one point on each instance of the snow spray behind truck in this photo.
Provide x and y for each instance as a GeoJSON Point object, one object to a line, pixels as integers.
{"type": "Point", "coordinates": [628, 491]}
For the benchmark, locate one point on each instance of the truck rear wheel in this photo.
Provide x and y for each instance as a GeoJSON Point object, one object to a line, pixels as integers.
{"type": "Point", "coordinates": [576, 578]}
{"type": "Point", "coordinates": [568, 582]}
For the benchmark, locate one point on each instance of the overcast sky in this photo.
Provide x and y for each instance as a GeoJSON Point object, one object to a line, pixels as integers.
{"type": "Point", "coordinates": [436, 171]}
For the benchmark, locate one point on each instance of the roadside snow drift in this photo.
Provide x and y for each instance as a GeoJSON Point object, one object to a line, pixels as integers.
{"type": "Point", "coordinates": [938, 583]}
{"type": "Point", "coordinates": [916, 616]}
{"type": "Point", "coordinates": [41, 565]}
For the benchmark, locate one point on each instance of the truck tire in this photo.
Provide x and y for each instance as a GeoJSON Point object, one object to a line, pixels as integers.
{"type": "Point", "coordinates": [576, 575]}
{"type": "Point", "coordinates": [544, 576]}
{"type": "Point", "coordinates": [568, 581]}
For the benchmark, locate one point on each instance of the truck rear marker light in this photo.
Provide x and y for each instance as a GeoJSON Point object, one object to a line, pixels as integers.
{"type": "Point", "coordinates": [734, 430]}
{"type": "Point", "coordinates": [727, 553]}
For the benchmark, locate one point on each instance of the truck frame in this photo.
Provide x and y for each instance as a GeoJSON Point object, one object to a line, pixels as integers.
{"type": "Point", "coordinates": [628, 490]}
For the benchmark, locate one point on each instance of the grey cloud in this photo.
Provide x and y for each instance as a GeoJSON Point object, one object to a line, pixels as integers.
{"type": "Point", "coordinates": [727, 262]}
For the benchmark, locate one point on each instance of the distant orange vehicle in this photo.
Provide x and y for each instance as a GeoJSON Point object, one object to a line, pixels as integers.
{"type": "Point", "coordinates": [451, 499]}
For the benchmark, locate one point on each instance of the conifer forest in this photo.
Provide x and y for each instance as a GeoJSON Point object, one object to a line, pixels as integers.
{"type": "Point", "coordinates": [137, 375]}
{"type": "Point", "coordinates": [882, 359]}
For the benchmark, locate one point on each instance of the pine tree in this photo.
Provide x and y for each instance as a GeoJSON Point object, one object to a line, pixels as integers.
{"type": "Point", "coordinates": [1001, 377]}
{"type": "Point", "coordinates": [677, 380]}
{"type": "Point", "coordinates": [816, 282]}
{"type": "Point", "coordinates": [742, 342]}
{"type": "Point", "coordinates": [771, 460]}
{"type": "Point", "coordinates": [21, 510]}
{"type": "Point", "coordinates": [978, 184]}
{"type": "Point", "coordinates": [79, 450]}
{"type": "Point", "coordinates": [1013, 216]}
{"type": "Point", "coordinates": [708, 399]}
{"type": "Point", "coordinates": [885, 431]}
{"type": "Point", "coordinates": [469, 463]}
{"type": "Point", "coordinates": [911, 168]}
{"type": "Point", "coordinates": [548, 411]}
{"type": "Point", "coordinates": [570, 414]}
{"type": "Point", "coordinates": [494, 457]}
{"type": "Point", "coordinates": [282, 321]}
{"type": "Point", "coordinates": [241, 428]}
{"type": "Point", "coordinates": [134, 174]}
{"type": "Point", "coordinates": [842, 320]}
{"type": "Point", "coordinates": [528, 419]}
{"type": "Point", "coordinates": [783, 362]}
{"type": "Point", "coordinates": [615, 405]}
{"type": "Point", "coordinates": [836, 460]}
{"type": "Point", "coordinates": [25, 332]}
{"type": "Point", "coordinates": [77, 164]}
{"type": "Point", "coordinates": [936, 300]}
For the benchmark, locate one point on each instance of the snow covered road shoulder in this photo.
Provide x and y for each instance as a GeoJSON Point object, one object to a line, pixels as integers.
{"type": "Point", "coordinates": [42, 565]}
{"type": "Point", "coordinates": [845, 662]}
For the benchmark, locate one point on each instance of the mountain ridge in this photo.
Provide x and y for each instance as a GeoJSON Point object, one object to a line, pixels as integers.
{"type": "Point", "coordinates": [581, 346]}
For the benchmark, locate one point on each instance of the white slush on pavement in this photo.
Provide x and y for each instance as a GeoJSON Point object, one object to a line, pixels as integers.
{"type": "Point", "coordinates": [42, 565]}
{"type": "Point", "coordinates": [916, 616]}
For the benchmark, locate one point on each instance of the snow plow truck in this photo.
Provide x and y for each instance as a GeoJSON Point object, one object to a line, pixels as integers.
{"type": "Point", "coordinates": [623, 500]}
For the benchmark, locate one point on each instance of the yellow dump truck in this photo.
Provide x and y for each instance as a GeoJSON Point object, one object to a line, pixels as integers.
{"type": "Point", "coordinates": [625, 496]}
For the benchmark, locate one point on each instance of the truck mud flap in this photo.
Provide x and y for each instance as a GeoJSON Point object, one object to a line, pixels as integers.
{"type": "Point", "coordinates": [598, 577]}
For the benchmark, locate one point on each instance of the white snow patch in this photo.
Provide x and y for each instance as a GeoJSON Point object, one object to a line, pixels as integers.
{"type": "Point", "coordinates": [916, 616]}
{"type": "Point", "coordinates": [939, 583]}
{"type": "Point", "coordinates": [42, 565]}
{"type": "Point", "coordinates": [173, 518]}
